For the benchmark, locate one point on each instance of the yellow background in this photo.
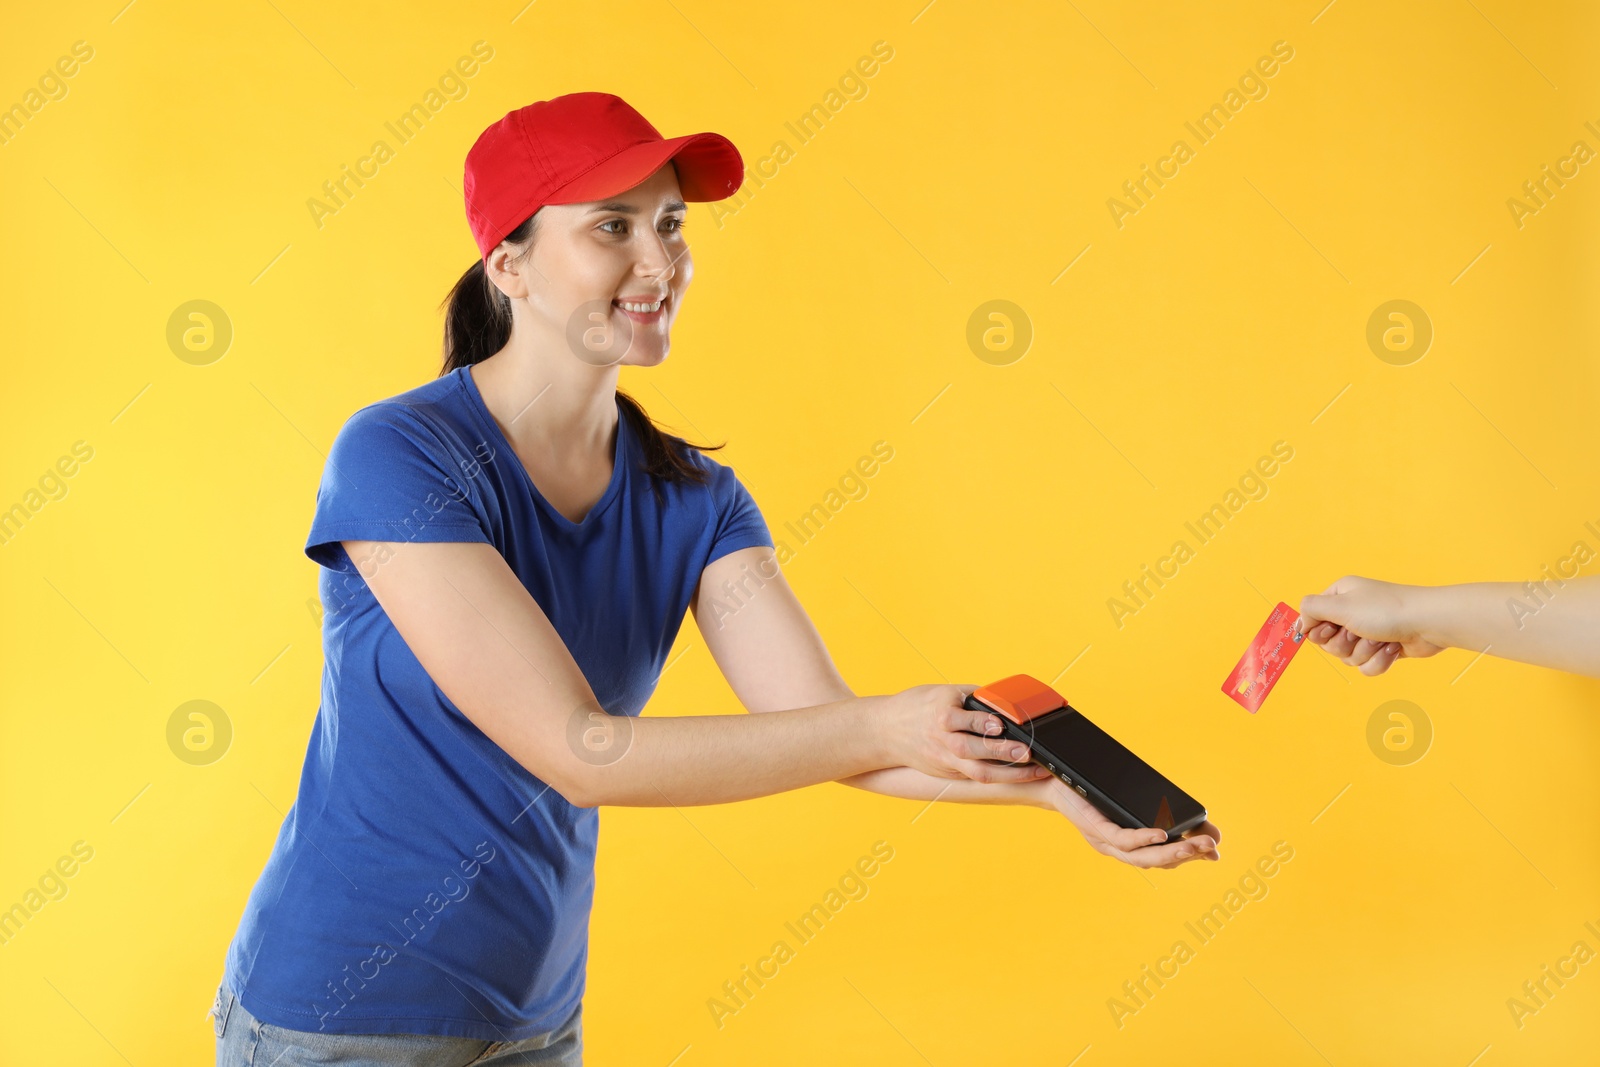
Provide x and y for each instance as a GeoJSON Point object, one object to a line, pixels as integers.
{"type": "Point", "coordinates": [828, 313]}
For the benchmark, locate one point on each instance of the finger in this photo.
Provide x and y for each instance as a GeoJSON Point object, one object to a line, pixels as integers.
{"type": "Point", "coordinates": [976, 722]}
{"type": "Point", "coordinates": [1209, 829]}
{"type": "Point", "coordinates": [1306, 622]}
{"type": "Point", "coordinates": [1132, 839]}
{"type": "Point", "coordinates": [1341, 643]}
{"type": "Point", "coordinates": [1363, 651]}
{"type": "Point", "coordinates": [1203, 847]}
{"type": "Point", "coordinates": [1315, 608]}
{"type": "Point", "coordinates": [968, 746]}
{"type": "Point", "coordinates": [1017, 772]}
{"type": "Point", "coordinates": [1171, 854]}
{"type": "Point", "coordinates": [1321, 632]}
{"type": "Point", "coordinates": [979, 770]}
{"type": "Point", "coordinates": [1381, 660]}
{"type": "Point", "coordinates": [1198, 857]}
{"type": "Point", "coordinates": [1319, 635]}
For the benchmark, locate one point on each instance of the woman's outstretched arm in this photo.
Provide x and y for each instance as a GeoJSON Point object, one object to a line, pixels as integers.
{"type": "Point", "coordinates": [773, 658]}
{"type": "Point", "coordinates": [490, 648]}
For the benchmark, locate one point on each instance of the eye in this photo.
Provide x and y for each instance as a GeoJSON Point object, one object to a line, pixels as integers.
{"type": "Point", "coordinates": [672, 225]}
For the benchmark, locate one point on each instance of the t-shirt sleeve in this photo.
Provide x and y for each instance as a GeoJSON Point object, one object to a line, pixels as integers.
{"type": "Point", "coordinates": [390, 477]}
{"type": "Point", "coordinates": [739, 522]}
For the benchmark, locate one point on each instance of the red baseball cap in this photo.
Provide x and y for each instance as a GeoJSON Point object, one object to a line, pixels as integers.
{"type": "Point", "coordinates": [578, 147]}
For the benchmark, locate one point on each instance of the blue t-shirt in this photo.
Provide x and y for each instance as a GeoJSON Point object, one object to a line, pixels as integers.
{"type": "Point", "coordinates": [424, 881]}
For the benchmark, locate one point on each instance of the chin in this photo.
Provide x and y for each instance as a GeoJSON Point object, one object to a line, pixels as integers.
{"type": "Point", "coordinates": [647, 359]}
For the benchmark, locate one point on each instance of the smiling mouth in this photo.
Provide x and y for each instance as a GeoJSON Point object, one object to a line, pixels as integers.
{"type": "Point", "coordinates": [642, 311]}
{"type": "Point", "coordinates": [653, 314]}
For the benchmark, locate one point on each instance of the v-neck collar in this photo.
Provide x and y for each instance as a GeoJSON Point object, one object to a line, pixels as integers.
{"type": "Point", "coordinates": [618, 458]}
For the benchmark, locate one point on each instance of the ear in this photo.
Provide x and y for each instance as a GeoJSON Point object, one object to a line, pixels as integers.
{"type": "Point", "coordinates": [505, 273]}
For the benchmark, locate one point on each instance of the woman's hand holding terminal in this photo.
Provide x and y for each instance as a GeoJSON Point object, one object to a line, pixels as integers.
{"type": "Point", "coordinates": [930, 730]}
{"type": "Point", "coordinates": [941, 739]}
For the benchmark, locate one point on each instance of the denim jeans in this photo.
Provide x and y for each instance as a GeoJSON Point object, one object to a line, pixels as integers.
{"type": "Point", "coordinates": [245, 1041]}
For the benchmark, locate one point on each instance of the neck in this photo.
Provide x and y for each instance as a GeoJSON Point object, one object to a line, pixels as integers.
{"type": "Point", "coordinates": [555, 407]}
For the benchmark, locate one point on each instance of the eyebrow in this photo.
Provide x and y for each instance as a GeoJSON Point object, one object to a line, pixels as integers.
{"type": "Point", "coordinates": [629, 209]}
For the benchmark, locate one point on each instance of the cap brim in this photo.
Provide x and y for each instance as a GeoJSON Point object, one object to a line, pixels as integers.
{"type": "Point", "coordinates": [709, 168]}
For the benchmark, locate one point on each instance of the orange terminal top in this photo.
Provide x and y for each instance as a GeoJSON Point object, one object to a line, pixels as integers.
{"type": "Point", "coordinates": [1020, 698]}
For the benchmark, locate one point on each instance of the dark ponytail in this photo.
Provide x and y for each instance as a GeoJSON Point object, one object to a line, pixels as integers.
{"type": "Point", "coordinates": [477, 324]}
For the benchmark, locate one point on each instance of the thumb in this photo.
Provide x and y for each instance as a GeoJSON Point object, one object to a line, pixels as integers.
{"type": "Point", "coordinates": [1315, 608]}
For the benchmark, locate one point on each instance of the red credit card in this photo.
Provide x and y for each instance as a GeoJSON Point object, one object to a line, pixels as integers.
{"type": "Point", "coordinates": [1264, 661]}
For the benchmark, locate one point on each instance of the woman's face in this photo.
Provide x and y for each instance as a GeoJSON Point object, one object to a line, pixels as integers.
{"type": "Point", "coordinates": [590, 258]}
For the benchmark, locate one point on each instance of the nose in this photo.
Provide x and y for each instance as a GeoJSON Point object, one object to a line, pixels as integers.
{"type": "Point", "coordinates": [658, 260]}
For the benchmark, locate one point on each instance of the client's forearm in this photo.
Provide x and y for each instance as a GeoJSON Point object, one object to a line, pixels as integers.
{"type": "Point", "coordinates": [1537, 622]}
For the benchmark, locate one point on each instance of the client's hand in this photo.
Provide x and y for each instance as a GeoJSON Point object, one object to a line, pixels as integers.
{"type": "Point", "coordinates": [1140, 848]}
{"type": "Point", "coordinates": [1366, 623]}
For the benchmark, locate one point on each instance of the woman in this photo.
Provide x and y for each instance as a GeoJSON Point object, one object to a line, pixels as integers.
{"type": "Point", "coordinates": [1371, 624]}
{"type": "Point", "coordinates": [508, 552]}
